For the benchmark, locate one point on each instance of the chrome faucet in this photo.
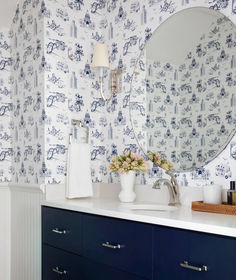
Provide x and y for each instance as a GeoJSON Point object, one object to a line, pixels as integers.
{"type": "Point", "coordinates": [172, 186]}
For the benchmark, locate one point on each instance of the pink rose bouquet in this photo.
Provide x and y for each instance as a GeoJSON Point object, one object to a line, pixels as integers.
{"type": "Point", "coordinates": [128, 161]}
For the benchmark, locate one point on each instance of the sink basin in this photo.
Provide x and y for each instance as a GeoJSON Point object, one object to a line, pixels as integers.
{"type": "Point", "coordinates": [151, 207]}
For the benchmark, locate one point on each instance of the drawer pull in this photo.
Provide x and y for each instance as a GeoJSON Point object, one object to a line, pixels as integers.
{"type": "Point", "coordinates": [108, 245]}
{"type": "Point", "coordinates": [56, 230]}
{"type": "Point", "coordinates": [56, 270]}
{"type": "Point", "coordinates": [186, 265]}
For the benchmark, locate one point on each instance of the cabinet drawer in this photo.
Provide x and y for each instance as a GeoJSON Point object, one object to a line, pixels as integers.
{"type": "Point", "coordinates": [93, 270]}
{"type": "Point", "coordinates": [122, 244]}
{"type": "Point", "coordinates": [208, 256]}
{"type": "Point", "coordinates": [58, 264]}
{"type": "Point", "coordinates": [216, 252]}
{"type": "Point", "coordinates": [62, 229]}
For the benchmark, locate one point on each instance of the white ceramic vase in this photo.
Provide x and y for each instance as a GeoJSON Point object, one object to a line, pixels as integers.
{"type": "Point", "coordinates": [127, 193]}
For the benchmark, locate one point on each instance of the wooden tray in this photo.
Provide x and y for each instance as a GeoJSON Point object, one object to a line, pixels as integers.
{"type": "Point", "coordinates": [214, 208]}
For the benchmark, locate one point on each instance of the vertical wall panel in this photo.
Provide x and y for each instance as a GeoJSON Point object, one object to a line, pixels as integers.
{"type": "Point", "coordinates": [4, 233]}
{"type": "Point", "coordinates": [25, 233]}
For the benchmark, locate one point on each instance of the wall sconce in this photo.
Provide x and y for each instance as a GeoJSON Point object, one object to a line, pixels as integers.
{"type": "Point", "coordinates": [101, 61]}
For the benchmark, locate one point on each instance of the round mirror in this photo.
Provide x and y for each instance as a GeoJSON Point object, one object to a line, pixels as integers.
{"type": "Point", "coordinates": [183, 95]}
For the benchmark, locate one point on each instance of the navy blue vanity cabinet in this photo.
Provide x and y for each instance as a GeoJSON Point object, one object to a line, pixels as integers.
{"type": "Point", "coordinates": [121, 244]}
{"type": "Point", "coordinates": [181, 254]}
{"type": "Point", "coordinates": [79, 246]}
{"type": "Point", "coordinates": [60, 265]}
{"type": "Point", "coordinates": [62, 229]}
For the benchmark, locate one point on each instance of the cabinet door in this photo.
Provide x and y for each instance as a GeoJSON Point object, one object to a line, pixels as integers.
{"type": "Point", "coordinates": [216, 252]}
{"type": "Point", "coordinates": [171, 248]}
{"type": "Point", "coordinates": [121, 244]}
{"type": "Point", "coordinates": [60, 265]}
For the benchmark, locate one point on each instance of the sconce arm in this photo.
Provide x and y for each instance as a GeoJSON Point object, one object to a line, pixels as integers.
{"type": "Point", "coordinates": [101, 91]}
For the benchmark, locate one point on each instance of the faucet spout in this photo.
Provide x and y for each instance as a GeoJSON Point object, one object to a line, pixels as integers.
{"type": "Point", "coordinates": [172, 186]}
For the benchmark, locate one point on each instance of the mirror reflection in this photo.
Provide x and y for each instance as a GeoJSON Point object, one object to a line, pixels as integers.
{"type": "Point", "coordinates": [183, 101]}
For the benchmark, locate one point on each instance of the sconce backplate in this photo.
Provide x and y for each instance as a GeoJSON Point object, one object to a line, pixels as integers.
{"type": "Point", "coordinates": [116, 81]}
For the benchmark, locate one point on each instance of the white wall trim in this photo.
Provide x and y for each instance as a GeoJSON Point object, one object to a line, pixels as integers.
{"type": "Point", "coordinates": [4, 185]}
{"type": "Point", "coordinates": [25, 187]}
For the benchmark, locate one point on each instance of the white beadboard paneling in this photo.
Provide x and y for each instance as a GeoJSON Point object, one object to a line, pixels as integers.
{"type": "Point", "coordinates": [25, 232]}
{"type": "Point", "coordinates": [4, 232]}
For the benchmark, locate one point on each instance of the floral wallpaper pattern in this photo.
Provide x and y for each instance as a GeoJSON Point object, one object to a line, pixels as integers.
{"type": "Point", "coordinates": [190, 111]}
{"type": "Point", "coordinates": [52, 82]}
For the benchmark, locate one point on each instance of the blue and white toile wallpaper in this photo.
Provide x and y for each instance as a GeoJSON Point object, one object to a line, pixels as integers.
{"type": "Point", "coordinates": [71, 30]}
{"type": "Point", "coordinates": [5, 107]}
{"type": "Point", "coordinates": [52, 82]}
{"type": "Point", "coordinates": [28, 114]}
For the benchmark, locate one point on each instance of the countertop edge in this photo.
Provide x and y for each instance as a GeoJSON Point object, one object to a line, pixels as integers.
{"type": "Point", "coordinates": [180, 224]}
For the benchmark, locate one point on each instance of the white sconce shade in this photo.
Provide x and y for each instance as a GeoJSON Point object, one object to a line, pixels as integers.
{"type": "Point", "coordinates": [100, 56]}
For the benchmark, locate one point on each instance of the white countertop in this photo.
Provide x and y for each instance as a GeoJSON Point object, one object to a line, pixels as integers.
{"type": "Point", "coordinates": [183, 217]}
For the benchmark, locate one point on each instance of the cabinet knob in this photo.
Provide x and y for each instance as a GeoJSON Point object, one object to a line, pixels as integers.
{"type": "Point", "coordinates": [58, 271]}
{"type": "Point", "coordinates": [56, 230]}
{"type": "Point", "coordinates": [111, 246]}
{"type": "Point", "coordinates": [185, 264]}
